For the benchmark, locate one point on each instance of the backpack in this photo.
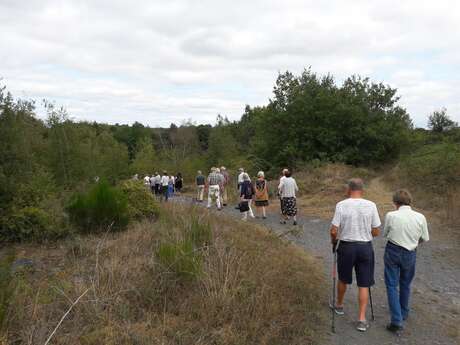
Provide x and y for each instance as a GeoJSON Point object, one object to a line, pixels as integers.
{"type": "Point", "coordinates": [261, 194]}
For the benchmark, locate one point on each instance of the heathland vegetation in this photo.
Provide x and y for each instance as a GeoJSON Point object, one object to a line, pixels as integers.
{"type": "Point", "coordinates": [172, 273]}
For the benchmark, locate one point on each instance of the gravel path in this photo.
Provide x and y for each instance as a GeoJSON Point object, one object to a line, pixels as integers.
{"type": "Point", "coordinates": [436, 289]}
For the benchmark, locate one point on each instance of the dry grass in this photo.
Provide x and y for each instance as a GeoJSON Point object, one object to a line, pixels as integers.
{"type": "Point", "coordinates": [252, 289]}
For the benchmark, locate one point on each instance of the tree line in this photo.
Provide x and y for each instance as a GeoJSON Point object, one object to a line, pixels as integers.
{"type": "Point", "coordinates": [309, 119]}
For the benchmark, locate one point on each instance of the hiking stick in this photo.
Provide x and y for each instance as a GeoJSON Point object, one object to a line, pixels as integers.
{"type": "Point", "coordinates": [334, 281]}
{"type": "Point", "coordinates": [372, 305]}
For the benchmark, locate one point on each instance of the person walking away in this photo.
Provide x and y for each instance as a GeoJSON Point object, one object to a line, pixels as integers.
{"type": "Point", "coordinates": [283, 176]}
{"type": "Point", "coordinates": [200, 184]}
{"type": "Point", "coordinates": [287, 189]}
{"type": "Point", "coordinates": [261, 194]}
{"type": "Point", "coordinates": [171, 186]}
{"type": "Point", "coordinates": [246, 195]}
{"type": "Point", "coordinates": [356, 222]}
{"type": "Point", "coordinates": [147, 180]}
{"type": "Point", "coordinates": [213, 183]}
{"type": "Point", "coordinates": [178, 183]}
{"type": "Point", "coordinates": [240, 179]}
{"type": "Point", "coordinates": [404, 229]}
{"type": "Point", "coordinates": [157, 182]}
{"type": "Point", "coordinates": [226, 180]}
{"type": "Point", "coordinates": [164, 186]}
{"type": "Point", "coordinates": [152, 183]}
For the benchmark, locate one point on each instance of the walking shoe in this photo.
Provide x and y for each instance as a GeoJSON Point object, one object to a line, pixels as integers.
{"type": "Point", "coordinates": [295, 223]}
{"type": "Point", "coordinates": [219, 209]}
{"type": "Point", "coordinates": [337, 310]}
{"type": "Point", "coordinates": [394, 328]}
{"type": "Point", "coordinates": [264, 217]}
{"type": "Point", "coordinates": [282, 222]}
{"type": "Point", "coordinates": [362, 326]}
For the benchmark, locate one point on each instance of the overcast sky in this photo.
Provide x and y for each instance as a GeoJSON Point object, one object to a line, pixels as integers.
{"type": "Point", "coordinates": [159, 62]}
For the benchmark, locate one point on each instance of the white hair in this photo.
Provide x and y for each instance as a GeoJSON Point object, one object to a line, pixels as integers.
{"type": "Point", "coordinates": [246, 177]}
{"type": "Point", "coordinates": [260, 174]}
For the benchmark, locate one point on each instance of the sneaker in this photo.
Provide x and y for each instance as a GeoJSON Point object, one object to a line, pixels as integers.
{"type": "Point", "coordinates": [362, 326]}
{"type": "Point", "coordinates": [219, 209]}
{"type": "Point", "coordinates": [282, 222]}
{"type": "Point", "coordinates": [295, 223]}
{"type": "Point", "coordinates": [337, 310]}
{"type": "Point", "coordinates": [264, 217]}
{"type": "Point", "coordinates": [394, 328]}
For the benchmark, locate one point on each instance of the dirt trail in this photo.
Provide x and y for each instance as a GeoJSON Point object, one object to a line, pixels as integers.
{"type": "Point", "coordinates": [435, 298]}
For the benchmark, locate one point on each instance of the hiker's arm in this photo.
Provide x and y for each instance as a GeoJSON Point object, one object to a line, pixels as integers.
{"type": "Point", "coordinates": [334, 232]}
{"type": "Point", "coordinates": [425, 236]}
{"type": "Point", "coordinates": [375, 232]}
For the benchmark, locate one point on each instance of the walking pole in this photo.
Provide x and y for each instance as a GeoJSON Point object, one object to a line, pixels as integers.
{"type": "Point", "coordinates": [334, 281]}
{"type": "Point", "coordinates": [372, 306]}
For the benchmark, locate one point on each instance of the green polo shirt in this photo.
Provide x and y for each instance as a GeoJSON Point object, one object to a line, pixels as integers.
{"type": "Point", "coordinates": [406, 227]}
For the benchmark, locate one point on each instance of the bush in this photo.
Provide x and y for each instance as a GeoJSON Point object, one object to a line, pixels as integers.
{"type": "Point", "coordinates": [180, 258]}
{"type": "Point", "coordinates": [103, 206]}
{"type": "Point", "coordinates": [31, 224]}
{"type": "Point", "coordinates": [141, 203]}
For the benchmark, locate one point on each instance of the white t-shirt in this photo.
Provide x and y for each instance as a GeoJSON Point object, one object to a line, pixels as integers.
{"type": "Point", "coordinates": [164, 180]}
{"type": "Point", "coordinates": [240, 177]}
{"type": "Point", "coordinates": [355, 218]}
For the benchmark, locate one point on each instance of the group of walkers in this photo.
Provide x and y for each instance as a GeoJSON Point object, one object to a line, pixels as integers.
{"type": "Point", "coordinates": [217, 185]}
{"type": "Point", "coordinates": [354, 225]}
{"type": "Point", "coordinates": [164, 186]}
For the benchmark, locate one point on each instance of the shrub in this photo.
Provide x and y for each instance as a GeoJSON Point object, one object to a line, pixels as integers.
{"type": "Point", "coordinates": [180, 258]}
{"type": "Point", "coordinates": [103, 206]}
{"type": "Point", "coordinates": [141, 203]}
{"type": "Point", "coordinates": [31, 224]}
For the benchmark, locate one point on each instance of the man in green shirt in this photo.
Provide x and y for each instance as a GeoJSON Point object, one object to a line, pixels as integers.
{"type": "Point", "coordinates": [404, 229]}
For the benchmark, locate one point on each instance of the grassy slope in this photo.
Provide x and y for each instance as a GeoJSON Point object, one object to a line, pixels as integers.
{"type": "Point", "coordinates": [253, 289]}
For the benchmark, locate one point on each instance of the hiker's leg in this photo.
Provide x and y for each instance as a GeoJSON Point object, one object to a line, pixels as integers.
{"type": "Point", "coordinates": [264, 214]}
{"type": "Point", "coordinates": [209, 196]}
{"type": "Point", "coordinates": [201, 193]}
{"type": "Point", "coordinates": [218, 197]}
{"type": "Point", "coordinates": [250, 209]}
{"type": "Point", "coordinates": [363, 298]}
{"type": "Point", "coordinates": [341, 289]}
{"type": "Point", "coordinates": [405, 279]}
{"type": "Point", "coordinates": [392, 270]}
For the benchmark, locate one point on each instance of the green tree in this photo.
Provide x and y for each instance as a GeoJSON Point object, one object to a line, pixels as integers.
{"type": "Point", "coordinates": [440, 122]}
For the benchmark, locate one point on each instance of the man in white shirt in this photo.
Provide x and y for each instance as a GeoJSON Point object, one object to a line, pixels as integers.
{"type": "Point", "coordinates": [356, 221]}
{"type": "Point", "coordinates": [164, 186]}
{"type": "Point", "coordinates": [404, 229]}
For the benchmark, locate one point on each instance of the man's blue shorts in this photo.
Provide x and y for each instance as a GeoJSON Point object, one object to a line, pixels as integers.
{"type": "Point", "coordinates": [357, 255]}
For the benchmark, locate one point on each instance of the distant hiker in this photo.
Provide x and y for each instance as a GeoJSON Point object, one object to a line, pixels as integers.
{"type": "Point", "coordinates": [213, 183]}
{"type": "Point", "coordinates": [240, 179]}
{"type": "Point", "coordinates": [226, 180]}
{"type": "Point", "coordinates": [405, 229]}
{"type": "Point", "coordinates": [178, 183]}
{"type": "Point", "coordinates": [287, 190]}
{"type": "Point", "coordinates": [164, 186]}
{"type": "Point", "coordinates": [261, 193]}
{"type": "Point", "coordinates": [147, 180]}
{"type": "Point", "coordinates": [171, 182]}
{"type": "Point", "coordinates": [283, 173]}
{"type": "Point", "coordinates": [157, 184]}
{"type": "Point", "coordinates": [152, 183]}
{"type": "Point", "coordinates": [246, 195]}
{"type": "Point", "coordinates": [200, 184]}
{"type": "Point", "coordinates": [356, 222]}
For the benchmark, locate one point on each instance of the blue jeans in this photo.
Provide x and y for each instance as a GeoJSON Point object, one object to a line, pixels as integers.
{"type": "Point", "coordinates": [399, 272]}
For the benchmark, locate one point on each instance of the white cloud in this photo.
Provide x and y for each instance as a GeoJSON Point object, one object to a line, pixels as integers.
{"type": "Point", "coordinates": [159, 62]}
